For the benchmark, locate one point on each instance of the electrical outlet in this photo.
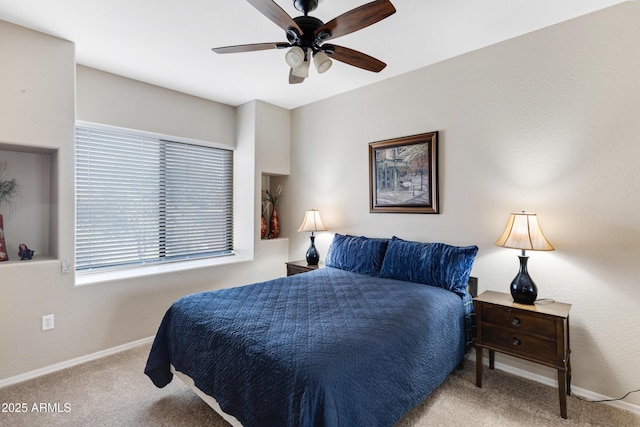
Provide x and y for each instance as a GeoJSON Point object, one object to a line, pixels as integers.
{"type": "Point", "coordinates": [47, 322]}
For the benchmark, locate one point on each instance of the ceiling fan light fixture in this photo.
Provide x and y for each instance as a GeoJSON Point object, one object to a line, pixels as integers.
{"type": "Point", "coordinates": [322, 62]}
{"type": "Point", "coordinates": [302, 70]}
{"type": "Point", "coordinates": [294, 57]}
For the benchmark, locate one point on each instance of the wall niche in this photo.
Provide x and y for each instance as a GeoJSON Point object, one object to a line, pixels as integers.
{"type": "Point", "coordinates": [30, 220]}
{"type": "Point", "coordinates": [271, 182]}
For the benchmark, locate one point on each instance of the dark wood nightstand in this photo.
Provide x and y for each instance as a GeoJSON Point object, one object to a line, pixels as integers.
{"type": "Point", "coordinates": [297, 267]}
{"type": "Point", "coordinates": [538, 333]}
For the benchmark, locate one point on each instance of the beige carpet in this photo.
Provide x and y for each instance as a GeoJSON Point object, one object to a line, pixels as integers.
{"type": "Point", "coordinates": [113, 391]}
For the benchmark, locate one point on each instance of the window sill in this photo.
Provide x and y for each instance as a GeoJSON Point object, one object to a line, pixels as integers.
{"type": "Point", "coordinates": [150, 270]}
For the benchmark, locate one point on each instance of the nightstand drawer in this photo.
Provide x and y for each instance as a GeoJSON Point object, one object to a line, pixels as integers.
{"type": "Point", "coordinates": [518, 320]}
{"type": "Point", "coordinates": [519, 344]}
{"type": "Point", "coordinates": [298, 267]}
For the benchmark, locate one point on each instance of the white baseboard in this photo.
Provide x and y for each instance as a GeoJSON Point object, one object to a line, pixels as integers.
{"type": "Point", "coordinates": [577, 391]}
{"type": "Point", "coordinates": [69, 363]}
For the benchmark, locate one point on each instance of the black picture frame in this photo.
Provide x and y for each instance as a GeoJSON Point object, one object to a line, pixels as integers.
{"type": "Point", "coordinates": [403, 174]}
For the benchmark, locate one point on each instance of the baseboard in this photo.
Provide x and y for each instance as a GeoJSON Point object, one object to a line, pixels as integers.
{"type": "Point", "coordinates": [577, 391]}
{"type": "Point", "coordinates": [73, 362]}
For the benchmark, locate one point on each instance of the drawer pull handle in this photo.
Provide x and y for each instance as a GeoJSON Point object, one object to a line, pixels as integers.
{"type": "Point", "coordinates": [516, 342]}
{"type": "Point", "coordinates": [515, 321]}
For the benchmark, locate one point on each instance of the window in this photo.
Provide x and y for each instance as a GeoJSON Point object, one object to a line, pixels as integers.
{"type": "Point", "coordinates": [142, 200]}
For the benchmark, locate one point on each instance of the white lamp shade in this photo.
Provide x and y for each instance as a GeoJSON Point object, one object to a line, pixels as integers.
{"type": "Point", "coordinates": [302, 70]}
{"type": "Point", "coordinates": [294, 57]}
{"type": "Point", "coordinates": [322, 62]}
{"type": "Point", "coordinates": [312, 221]}
{"type": "Point", "coordinates": [523, 232]}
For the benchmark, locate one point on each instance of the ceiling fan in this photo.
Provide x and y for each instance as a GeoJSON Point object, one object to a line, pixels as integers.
{"type": "Point", "coordinates": [306, 36]}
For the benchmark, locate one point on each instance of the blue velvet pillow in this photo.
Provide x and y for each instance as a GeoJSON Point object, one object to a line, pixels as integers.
{"type": "Point", "coordinates": [435, 264]}
{"type": "Point", "coordinates": [362, 255]}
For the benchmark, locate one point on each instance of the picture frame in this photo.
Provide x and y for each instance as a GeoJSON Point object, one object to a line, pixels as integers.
{"type": "Point", "coordinates": [403, 175]}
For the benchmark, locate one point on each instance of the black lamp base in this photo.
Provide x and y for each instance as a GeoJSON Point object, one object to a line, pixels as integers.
{"type": "Point", "coordinates": [523, 290]}
{"type": "Point", "coordinates": [312, 254]}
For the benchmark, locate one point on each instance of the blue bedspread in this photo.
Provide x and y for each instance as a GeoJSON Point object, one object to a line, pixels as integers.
{"type": "Point", "coordinates": [325, 348]}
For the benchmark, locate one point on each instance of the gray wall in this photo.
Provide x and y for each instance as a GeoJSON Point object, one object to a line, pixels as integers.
{"type": "Point", "coordinates": [37, 118]}
{"type": "Point", "coordinates": [548, 122]}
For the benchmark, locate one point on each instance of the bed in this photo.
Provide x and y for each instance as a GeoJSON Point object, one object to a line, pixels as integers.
{"type": "Point", "coordinates": [359, 342]}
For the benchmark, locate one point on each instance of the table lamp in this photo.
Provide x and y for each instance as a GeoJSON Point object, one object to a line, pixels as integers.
{"type": "Point", "coordinates": [523, 232]}
{"type": "Point", "coordinates": [312, 223]}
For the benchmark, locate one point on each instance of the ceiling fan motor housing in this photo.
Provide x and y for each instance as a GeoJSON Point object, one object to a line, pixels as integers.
{"type": "Point", "coordinates": [307, 40]}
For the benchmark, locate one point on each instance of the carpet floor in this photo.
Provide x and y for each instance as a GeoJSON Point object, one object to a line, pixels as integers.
{"type": "Point", "coordinates": [113, 391]}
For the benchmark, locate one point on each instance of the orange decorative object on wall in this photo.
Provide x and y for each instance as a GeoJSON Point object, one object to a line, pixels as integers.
{"type": "Point", "coordinates": [263, 228]}
{"type": "Point", "coordinates": [274, 224]}
{"type": "Point", "coordinates": [3, 247]}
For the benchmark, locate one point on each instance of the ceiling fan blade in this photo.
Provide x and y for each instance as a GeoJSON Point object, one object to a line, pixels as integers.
{"type": "Point", "coordinates": [356, 19]}
{"type": "Point", "coordinates": [294, 79]}
{"type": "Point", "coordinates": [250, 47]}
{"type": "Point", "coordinates": [353, 57]}
{"type": "Point", "coordinates": [275, 13]}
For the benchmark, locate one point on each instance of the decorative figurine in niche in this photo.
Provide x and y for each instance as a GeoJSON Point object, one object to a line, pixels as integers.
{"type": "Point", "coordinates": [24, 252]}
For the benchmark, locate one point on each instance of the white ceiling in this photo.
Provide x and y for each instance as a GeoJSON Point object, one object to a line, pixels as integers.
{"type": "Point", "coordinates": [168, 42]}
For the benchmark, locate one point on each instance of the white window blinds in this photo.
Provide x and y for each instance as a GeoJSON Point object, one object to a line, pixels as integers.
{"type": "Point", "coordinates": [142, 200]}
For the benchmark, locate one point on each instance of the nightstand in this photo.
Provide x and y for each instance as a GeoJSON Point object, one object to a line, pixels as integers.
{"type": "Point", "coordinates": [297, 267]}
{"type": "Point", "coordinates": [538, 333]}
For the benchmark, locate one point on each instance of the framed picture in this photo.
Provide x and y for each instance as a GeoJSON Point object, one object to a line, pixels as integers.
{"type": "Point", "coordinates": [403, 174]}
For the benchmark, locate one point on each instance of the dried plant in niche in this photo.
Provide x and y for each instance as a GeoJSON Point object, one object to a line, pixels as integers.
{"type": "Point", "coordinates": [9, 189]}
{"type": "Point", "coordinates": [271, 197]}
